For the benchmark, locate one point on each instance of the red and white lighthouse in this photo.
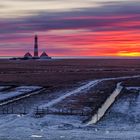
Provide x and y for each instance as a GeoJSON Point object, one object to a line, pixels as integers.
{"type": "Point", "coordinates": [36, 46]}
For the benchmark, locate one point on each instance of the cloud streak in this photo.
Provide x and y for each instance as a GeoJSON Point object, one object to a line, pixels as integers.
{"type": "Point", "coordinates": [97, 29]}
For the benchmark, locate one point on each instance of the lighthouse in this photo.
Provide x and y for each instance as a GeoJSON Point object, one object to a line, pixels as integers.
{"type": "Point", "coordinates": [28, 55]}
{"type": "Point", "coordinates": [36, 46]}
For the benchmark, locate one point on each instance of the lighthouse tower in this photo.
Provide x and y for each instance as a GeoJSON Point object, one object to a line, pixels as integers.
{"type": "Point", "coordinates": [36, 46]}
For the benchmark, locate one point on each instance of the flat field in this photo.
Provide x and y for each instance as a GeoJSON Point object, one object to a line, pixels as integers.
{"type": "Point", "coordinates": [61, 73]}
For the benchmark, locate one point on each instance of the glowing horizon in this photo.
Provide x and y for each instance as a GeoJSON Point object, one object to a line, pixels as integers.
{"type": "Point", "coordinates": [92, 28]}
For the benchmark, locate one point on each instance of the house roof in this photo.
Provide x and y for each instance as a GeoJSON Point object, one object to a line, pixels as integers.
{"type": "Point", "coordinates": [27, 55]}
{"type": "Point", "coordinates": [44, 54]}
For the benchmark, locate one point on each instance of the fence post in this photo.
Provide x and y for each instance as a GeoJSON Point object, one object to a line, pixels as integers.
{"type": "Point", "coordinates": [7, 110]}
{"type": "Point", "coordinates": [37, 110]}
{"type": "Point", "coordinates": [12, 110]}
{"type": "Point", "coordinates": [24, 112]}
{"type": "Point", "coordinates": [2, 111]}
{"type": "Point", "coordinates": [71, 111]}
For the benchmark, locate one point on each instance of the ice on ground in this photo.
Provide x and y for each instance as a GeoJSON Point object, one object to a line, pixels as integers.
{"type": "Point", "coordinates": [87, 86]}
{"type": "Point", "coordinates": [110, 100]}
{"type": "Point", "coordinates": [59, 99]}
{"type": "Point", "coordinates": [22, 90]}
{"type": "Point", "coordinates": [36, 136]}
{"type": "Point", "coordinates": [125, 114]}
{"type": "Point", "coordinates": [121, 122]}
{"type": "Point", "coordinates": [4, 87]}
{"type": "Point", "coordinates": [133, 88]}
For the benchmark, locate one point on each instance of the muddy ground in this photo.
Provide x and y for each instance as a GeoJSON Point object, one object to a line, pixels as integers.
{"type": "Point", "coordinates": [63, 73]}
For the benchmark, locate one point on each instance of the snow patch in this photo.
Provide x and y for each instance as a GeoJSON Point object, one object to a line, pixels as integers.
{"type": "Point", "coordinates": [133, 88]}
{"type": "Point", "coordinates": [4, 87]}
{"type": "Point", "coordinates": [22, 90]}
{"type": "Point", "coordinates": [36, 136]}
{"type": "Point", "coordinates": [59, 99]}
{"type": "Point", "coordinates": [84, 87]}
{"type": "Point", "coordinates": [101, 111]}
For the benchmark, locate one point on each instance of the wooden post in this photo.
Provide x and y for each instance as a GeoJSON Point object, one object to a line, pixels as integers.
{"type": "Point", "coordinates": [24, 112]}
{"type": "Point", "coordinates": [7, 110]}
{"type": "Point", "coordinates": [12, 110]}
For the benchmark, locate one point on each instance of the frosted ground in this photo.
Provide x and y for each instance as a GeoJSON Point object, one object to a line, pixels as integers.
{"type": "Point", "coordinates": [22, 90]}
{"type": "Point", "coordinates": [121, 122]}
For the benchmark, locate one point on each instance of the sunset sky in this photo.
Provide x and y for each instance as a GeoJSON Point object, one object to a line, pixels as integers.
{"type": "Point", "coordinates": [70, 27]}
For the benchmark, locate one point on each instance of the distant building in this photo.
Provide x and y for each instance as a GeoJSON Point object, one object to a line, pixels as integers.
{"type": "Point", "coordinates": [44, 56]}
{"type": "Point", "coordinates": [28, 55]}
{"type": "Point", "coordinates": [36, 56]}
